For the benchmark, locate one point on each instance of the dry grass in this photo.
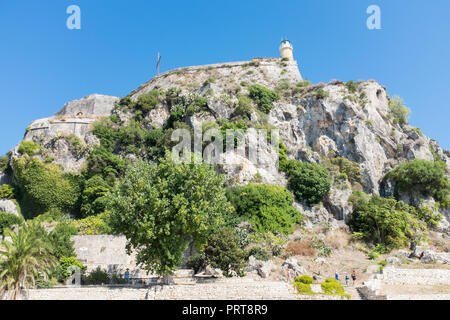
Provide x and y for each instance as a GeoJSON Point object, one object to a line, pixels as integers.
{"type": "Point", "coordinates": [337, 239]}
{"type": "Point", "coordinates": [301, 248]}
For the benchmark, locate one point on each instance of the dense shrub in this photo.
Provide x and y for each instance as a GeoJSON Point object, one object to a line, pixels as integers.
{"type": "Point", "coordinates": [303, 288]}
{"type": "Point", "coordinates": [148, 101]}
{"type": "Point", "coordinates": [66, 268]}
{"type": "Point", "coordinates": [7, 220]}
{"type": "Point", "coordinates": [93, 196]}
{"type": "Point", "coordinates": [197, 262]}
{"type": "Point", "coordinates": [305, 279]}
{"type": "Point", "coordinates": [399, 111]}
{"type": "Point", "coordinates": [96, 277]}
{"type": "Point", "coordinates": [28, 147]}
{"type": "Point", "coordinates": [308, 181]}
{"type": "Point", "coordinates": [422, 176]}
{"type": "Point", "coordinates": [384, 221]}
{"type": "Point", "coordinates": [352, 86]}
{"type": "Point", "coordinates": [223, 251]}
{"type": "Point", "coordinates": [321, 94]}
{"type": "Point", "coordinates": [263, 97]}
{"type": "Point", "coordinates": [244, 107]}
{"type": "Point", "coordinates": [7, 192]}
{"type": "Point", "coordinates": [94, 225]}
{"type": "Point", "coordinates": [61, 239]}
{"type": "Point", "coordinates": [43, 187]}
{"type": "Point", "coordinates": [333, 287]}
{"type": "Point", "coordinates": [267, 208]}
{"type": "Point", "coordinates": [350, 169]}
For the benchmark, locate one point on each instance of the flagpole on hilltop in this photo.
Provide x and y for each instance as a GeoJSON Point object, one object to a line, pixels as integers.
{"type": "Point", "coordinates": [157, 65]}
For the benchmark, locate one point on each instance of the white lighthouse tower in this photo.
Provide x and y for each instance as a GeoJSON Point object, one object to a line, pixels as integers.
{"type": "Point", "coordinates": [286, 50]}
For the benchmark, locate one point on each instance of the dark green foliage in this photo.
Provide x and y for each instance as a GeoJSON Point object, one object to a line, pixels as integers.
{"type": "Point", "coordinates": [267, 208]}
{"type": "Point", "coordinates": [96, 277]}
{"type": "Point", "coordinates": [159, 207]}
{"type": "Point", "coordinates": [197, 262]}
{"type": "Point", "coordinates": [61, 239]}
{"type": "Point", "coordinates": [148, 101]}
{"type": "Point", "coordinates": [308, 181]}
{"type": "Point", "coordinates": [239, 129]}
{"type": "Point", "coordinates": [263, 97]}
{"type": "Point", "coordinates": [92, 198]}
{"type": "Point", "coordinates": [384, 221]}
{"type": "Point", "coordinates": [223, 251]}
{"type": "Point", "coordinates": [7, 220]}
{"type": "Point", "coordinates": [4, 164]}
{"type": "Point", "coordinates": [422, 176]}
{"type": "Point", "coordinates": [43, 187]}
{"type": "Point", "coordinates": [321, 94]}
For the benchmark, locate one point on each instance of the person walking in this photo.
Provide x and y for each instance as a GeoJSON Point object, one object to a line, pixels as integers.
{"type": "Point", "coordinates": [126, 276]}
{"type": "Point", "coordinates": [346, 279]}
{"type": "Point", "coordinates": [336, 276]}
{"type": "Point", "coordinates": [354, 276]}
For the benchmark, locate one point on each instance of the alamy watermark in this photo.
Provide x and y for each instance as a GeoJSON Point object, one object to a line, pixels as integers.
{"type": "Point", "coordinates": [74, 20]}
{"type": "Point", "coordinates": [374, 20]}
{"type": "Point", "coordinates": [231, 147]}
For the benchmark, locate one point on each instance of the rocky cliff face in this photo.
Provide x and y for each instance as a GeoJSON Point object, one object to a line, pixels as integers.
{"type": "Point", "coordinates": [355, 124]}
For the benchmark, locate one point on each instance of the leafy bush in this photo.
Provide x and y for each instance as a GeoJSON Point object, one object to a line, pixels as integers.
{"type": "Point", "coordinates": [352, 86]}
{"type": "Point", "coordinates": [62, 270]}
{"type": "Point", "coordinates": [7, 220]}
{"type": "Point", "coordinates": [303, 84]}
{"type": "Point", "coordinates": [321, 94]}
{"type": "Point", "coordinates": [94, 225]}
{"type": "Point", "coordinates": [305, 279]}
{"type": "Point", "coordinates": [308, 181]}
{"type": "Point", "coordinates": [61, 239]}
{"type": "Point", "coordinates": [428, 215]}
{"type": "Point", "coordinates": [422, 176]}
{"type": "Point", "coordinates": [223, 251]}
{"type": "Point", "coordinates": [263, 246]}
{"type": "Point", "coordinates": [351, 169]}
{"type": "Point", "coordinates": [197, 262]}
{"type": "Point", "coordinates": [263, 97]}
{"type": "Point", "coordinates": [333, 287]}
{"type": "Point", "coordinates": [28, 147]}
{"type": "Point", "coordinates": [7, 192]}
{"type": "Point", "coordinates": [148, 101]}
{"type": "Point", "coordinates": [93, 196]}
{"type": "Point", "coordinates": [267, 208]}
{"type": "Point", "coordinates": [244, 107]}
{"type": "Point", "coordinates": [322, 249]}
{"type": "Point", "coordinates": [97, 276]}
{"type": "Point", "coordinates": [43, 187]}
{"type": "Point", "coordinates": [384, 221]}
{"type": "Point", "coordinates": [303, 288]}
{"type": "Point", "coordinates": [399, 111]}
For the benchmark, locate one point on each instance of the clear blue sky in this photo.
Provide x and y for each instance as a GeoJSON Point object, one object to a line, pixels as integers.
{"type": "Point", "coordinates": [44, 65]}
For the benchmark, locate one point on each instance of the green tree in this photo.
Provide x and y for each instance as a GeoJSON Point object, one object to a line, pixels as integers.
{"type": "Point", "coordinates": [223, 251]}
{"type": "Point", "coordinates": [263, 97]}
{"type": "Point", "coordinates": [308, 181]}
{"type": "Point", "coordinates": [399, 111]}
{"type": "Point", "coordinates": [425, 177]}
{"type": "Point", "coordinates": [384, 221]}
{"type": "Point", "coordinates": [161, 207]}
{"type": "Point", "coordinates": [23, 259]}
{"type": "Point", "coordinates": [267, 208]}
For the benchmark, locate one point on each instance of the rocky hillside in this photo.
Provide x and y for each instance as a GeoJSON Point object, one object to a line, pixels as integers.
{"type": "Point", "coordinates": [353, 120]}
